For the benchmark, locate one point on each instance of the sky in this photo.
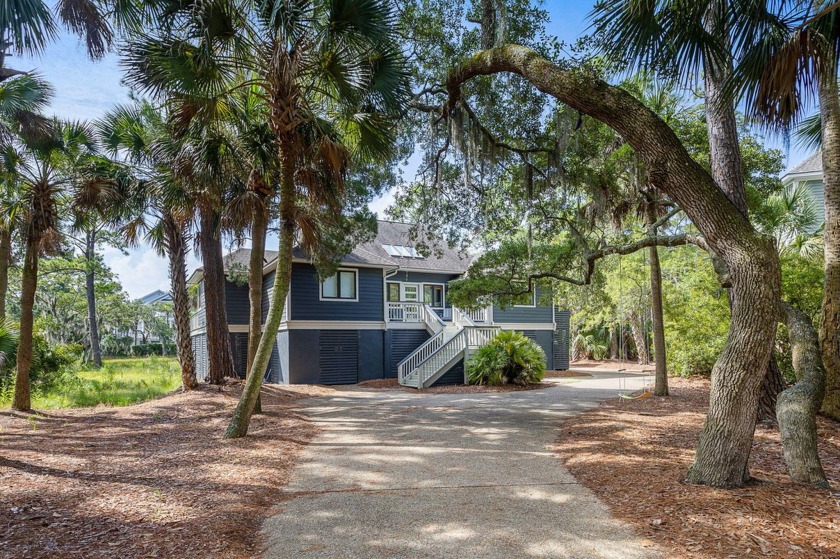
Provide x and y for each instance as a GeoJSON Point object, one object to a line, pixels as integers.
{"type": "Point", "coordinates": [87, 89]}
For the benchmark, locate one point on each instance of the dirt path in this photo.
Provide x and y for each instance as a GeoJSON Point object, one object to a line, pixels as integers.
{"type": "Point", "coordinates": [397, 475]}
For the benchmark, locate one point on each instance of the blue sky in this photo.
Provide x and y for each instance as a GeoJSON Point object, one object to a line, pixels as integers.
{"type": "Point", "coordinates": [86, 90]}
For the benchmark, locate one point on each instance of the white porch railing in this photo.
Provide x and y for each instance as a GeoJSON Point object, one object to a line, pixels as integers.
{"type": "Point", "coordinates": [418, 356]}
{"type": "Point", "coordinates": [404, 312]}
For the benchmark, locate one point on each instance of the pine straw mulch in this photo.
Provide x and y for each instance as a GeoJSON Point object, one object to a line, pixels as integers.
{"type": "Point", "coordinates": [393, 384]}
{"type": "Point", "coordinates": [149, 480]}
{"type": "Point", "coordinates": [633, 455]}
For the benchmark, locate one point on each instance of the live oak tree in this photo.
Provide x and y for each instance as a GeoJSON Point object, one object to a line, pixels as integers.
{"type": "Point", "coordinates": [750, 257]}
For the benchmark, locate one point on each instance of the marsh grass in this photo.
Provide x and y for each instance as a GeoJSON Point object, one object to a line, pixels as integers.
{"type": "Point", "coordinates": [119, 382]}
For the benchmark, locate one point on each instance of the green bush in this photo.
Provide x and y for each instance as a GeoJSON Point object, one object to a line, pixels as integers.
{"type": "Point", "coordinates": [509, 357]}
{"type": "Point", "coordinates": [143, 350]}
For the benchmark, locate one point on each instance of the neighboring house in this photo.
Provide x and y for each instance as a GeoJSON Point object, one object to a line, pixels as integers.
{"type": "Point", "coordinates": [385, 314]}
{"type": "Point", "coordinates": [155, 297]}
{"type": "Point", "coordinates": [809, 175]}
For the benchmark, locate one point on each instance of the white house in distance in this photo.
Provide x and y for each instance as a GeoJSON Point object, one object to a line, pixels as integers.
{"type": "Point", "coordinates": [809, 175]}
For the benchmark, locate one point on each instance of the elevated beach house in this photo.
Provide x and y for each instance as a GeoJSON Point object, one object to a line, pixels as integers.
{"type": "Point", "coordinates": [384, 314]}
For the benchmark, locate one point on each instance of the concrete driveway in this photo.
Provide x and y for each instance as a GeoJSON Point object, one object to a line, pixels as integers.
{"type": "Point", "coordinates": [444, 476]}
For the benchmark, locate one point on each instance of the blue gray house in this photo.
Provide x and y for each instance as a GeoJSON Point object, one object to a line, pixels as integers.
{"type": "Point", "coordinates": [384, 314]}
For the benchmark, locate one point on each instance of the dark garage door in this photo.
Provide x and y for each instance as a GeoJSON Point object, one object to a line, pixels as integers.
{"type": "Point", "coordinates": [339, 353]}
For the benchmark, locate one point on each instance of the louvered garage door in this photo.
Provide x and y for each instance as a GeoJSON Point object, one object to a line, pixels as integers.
{"type": "Point", "coordinates": [339, 352]}
{"type": "Point", "coordinates": [561, 340]}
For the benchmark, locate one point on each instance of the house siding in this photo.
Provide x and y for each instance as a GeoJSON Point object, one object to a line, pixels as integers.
{"type": "Point", "coordinates": [817, 193]}
{"type": "Point", "coordinates": [200, 314]}
{"type": "Point", "coordinates": [399, 344]}
{"type": "Point", "coordinates": [426, 277]}
{"type": "Point", "coordinates": [455, 375]}
{"type": "Point", "coordinates": [561, 340]}
{"type": "Point", "coordinates": [199, 347]}
{"type": "Point", "coordinates": [541, 314]}
{"type": "Point", "coordinates": [306, 304]}
{"type": "Point", "coordinates": [237, 303]}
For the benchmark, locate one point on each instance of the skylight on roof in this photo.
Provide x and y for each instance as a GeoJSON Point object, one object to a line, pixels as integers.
{"type": "Point", "coordinates": [403, 251]}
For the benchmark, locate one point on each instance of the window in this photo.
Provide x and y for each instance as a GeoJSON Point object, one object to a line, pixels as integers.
{"type": "Point", "coordinates": [393, 292]}
{"type": "Point", "coordinates": [433, 296]}
{"type": "Point", "coordinates": [342, 286]}
{"type": "Point", "coordinates": [402, 251]}
{"type": "Point", "coordinates": [526, 299]}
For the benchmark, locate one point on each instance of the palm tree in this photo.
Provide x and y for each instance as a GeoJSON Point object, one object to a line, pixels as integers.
{"type": "Point", "coordinates": [62, 169]}
{"type": "Point", "coordinates": [22, 99]}
{"type": "Point", "coordinates": [160, 208]}
{"type": "Point", "coordinates": [789, 60]}
{"type": "Point", "coordinates": [332, 75]}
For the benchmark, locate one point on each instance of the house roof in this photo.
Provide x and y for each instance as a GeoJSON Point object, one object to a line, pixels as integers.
{"type": "Point", "coordinates": [155, 296]}
{"type": "Point", "coordinates": [391, 233]}
{"type": "Point", "coordinates": [812, 165]}
{"type": "Point", "coordinates": [442, 259]}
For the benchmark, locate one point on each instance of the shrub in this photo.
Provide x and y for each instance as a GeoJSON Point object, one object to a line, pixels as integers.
{"type": "Point", "coordinates": [144, 350]}
{"type": "Point", "coordinates": [509, 357]}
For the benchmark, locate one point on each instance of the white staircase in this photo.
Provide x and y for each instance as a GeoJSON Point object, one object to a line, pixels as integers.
{"type": "Point", "coordinates": [449, 343]}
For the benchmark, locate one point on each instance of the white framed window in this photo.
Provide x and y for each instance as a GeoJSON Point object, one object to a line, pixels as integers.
{"type": "Point", "coordinates": [528, 299]}
{"type": "Point", "coordinates": [343, 286]}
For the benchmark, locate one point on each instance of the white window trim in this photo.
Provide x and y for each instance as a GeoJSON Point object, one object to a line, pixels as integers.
{"type": "Point", "coordinates": [340, 299]}
{"type": "Point", "coordinates": [443, 294]}
{"type": "Point", "coordinates": [533, 305]}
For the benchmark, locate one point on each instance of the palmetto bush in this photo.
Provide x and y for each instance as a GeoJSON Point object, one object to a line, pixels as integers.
{"type": "Point", "coordinates": [509, 357]}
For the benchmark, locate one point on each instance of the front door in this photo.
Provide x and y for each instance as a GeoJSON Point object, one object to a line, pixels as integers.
{"type": "Point", "coordinates": [411, 294]}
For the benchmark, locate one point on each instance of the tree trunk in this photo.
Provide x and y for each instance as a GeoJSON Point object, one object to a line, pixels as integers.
{"type": "Point", "coordinates": [90, 285]}
{"type": "Point", "coordinates": [797, 406]}
{"type": "Point", "coordinates": [661, 384]}
{"type": "Point", "coordinates": [241, 419]}
{"type": "Point", "coordinates": [830, 323]}
{"type": "Point", "coordinates": [177, 251]}
{"type": "Point", "coordinates": [28, 285]}
{"type": "Point", "coordinates": [5, 261]}
{"type": "Point", "coordinates": [255, 286]}
{"type": "Point", "coordinates": [770, 394]}
{"type": "Point", "coordinates": [219, 353]}
{"type": "Point", "coordinates": [638, 331]}
{"type": "Point", "coordinates": [725, 442]}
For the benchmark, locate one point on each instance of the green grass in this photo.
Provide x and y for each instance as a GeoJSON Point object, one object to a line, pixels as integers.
{"type": "Point", "coordinates": [119, 382]}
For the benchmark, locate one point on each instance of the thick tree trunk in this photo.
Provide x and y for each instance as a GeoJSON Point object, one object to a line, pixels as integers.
{"type": "Point", "coordinates": [725, 442]}
{"type": "Point", "coordinates": [90, 286]}
{"type": "Point", "coordinates": [241, 419]}
{"type": "Point", "coordinates": [727, 171]}
{"type": "Point", "coordinates": [219, 354]}
{"type": "Point", "coordinates": [830, 323]}
{"type": "Point", "coordinates": [177, 251]}
{"type": "Point", "coordinates": [28, 285]}
{"type": "Point", "coordinates": [661, 383]}
{"type": "Point", "coordinates": [255, 286]}
{"type": "Point", "coordinates": [5, 261]}
{"type": "Point", "coordinates": [638, 331]}
{"type": "Point", "coordinates": [797, 406]}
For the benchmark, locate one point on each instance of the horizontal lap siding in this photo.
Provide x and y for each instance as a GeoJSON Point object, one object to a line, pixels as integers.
{"type": "Point", "coordinates": [455, 375]}
{"type": "Point", "coordinates": [306, 292]}
{"type": "Point", "coordinates": [268, 284]}
{"type": "Point", "coordinates": [533, 315]}
{"type": "Point", "coordinates": [199, 347]}
{"type": "Point", "coordinates": [402, 343]}
{"type": "Point", "coordinates": [237, 303]}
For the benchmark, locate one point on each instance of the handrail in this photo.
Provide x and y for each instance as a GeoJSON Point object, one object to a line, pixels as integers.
{"type": "Point", "coordinates": [433, 321]}
{"type": "Point", "coordinates": [460, 318]}
{"type": "Point", "coordinates": [443, 355]}
{"type": "Point", "coordinates": [416, 357]}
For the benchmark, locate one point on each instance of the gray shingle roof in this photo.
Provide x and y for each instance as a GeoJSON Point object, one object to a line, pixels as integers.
{"type": "Point", "coordinates": [156, 296]}
{"type": "Point", "coordinates": [442, 258]}
{"type": "Point", "coordinates": [812, 164]}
